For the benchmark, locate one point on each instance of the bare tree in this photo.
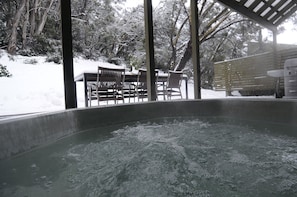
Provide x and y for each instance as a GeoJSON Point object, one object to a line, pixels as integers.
{"type": "Point", "coordinates": [44, 18]}
{"type": "Point", "coordinates": [33, 15]}
{"type": "Point", "coordinates": [207, 30]}
{"type": "Point", "coordinates": [13, 37]}
{"type": "Point", "coordinates": [25, 24]}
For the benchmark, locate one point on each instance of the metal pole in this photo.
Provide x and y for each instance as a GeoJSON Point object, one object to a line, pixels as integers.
{"type": "Point", "coordinates": [278, 93]}
{"type": "Point", "coordinates": [149, 46]}
{"type": "Point", "coordinates": [275, 53]}
{"type": "Point", "coordinates": [69, 84]}
{"type": "Point", "coordinates": [195, 48]}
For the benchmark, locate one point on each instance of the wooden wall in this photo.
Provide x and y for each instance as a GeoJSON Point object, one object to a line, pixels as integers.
{"type": "Point", "coordinates": [249, 74]}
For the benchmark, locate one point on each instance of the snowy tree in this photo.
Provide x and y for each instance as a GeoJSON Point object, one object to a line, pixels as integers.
{"type": "Point", "coordinates": [24, 20]}
{"type": "Point", "coordinates": [95, 29]}
{"type": "Point", "coordinates": [222, 35]}
{"type": "Point", "coordinates": [131, 37]}
{"type": "Point", "coordinates": [171, 30]}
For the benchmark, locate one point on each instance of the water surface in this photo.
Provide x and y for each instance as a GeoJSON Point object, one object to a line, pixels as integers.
{"type": "Point", "coordinates": [168, 157]}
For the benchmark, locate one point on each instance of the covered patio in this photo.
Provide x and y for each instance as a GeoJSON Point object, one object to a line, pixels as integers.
{"type": "Point", "coordinates": [269, 13]}
{"type": "Point", "coordinates": [83, 152]}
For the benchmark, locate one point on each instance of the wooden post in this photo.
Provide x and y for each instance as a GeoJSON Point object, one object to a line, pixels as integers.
{"type": "Point", "coordinates": [275, 53]}
{"type": "Point", "coordinates": [228, 82]}
{"type": "Point", "coordinates": [195, 49]}
{"type": "Point", "coordinates": [278, 93]}
{"type": "Point", "coordinates": [149, 46]}
{"type": "Point", "coordinates": [69, 84]}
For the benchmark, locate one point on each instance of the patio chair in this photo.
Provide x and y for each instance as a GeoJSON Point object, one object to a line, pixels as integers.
{"type": "Point", "coordinates": [160, 88]}
{"type": "Point", "coordinates": [173, 84]}
{"type": "Point", "coordinates": [109, 85]}
{"type": "Point", "coordinates": [141, 85]}
{"type": "Point", "coordinates": [129, 91]}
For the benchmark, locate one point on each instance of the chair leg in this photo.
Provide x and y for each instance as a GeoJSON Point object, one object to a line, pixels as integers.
{"type": "Point", "coordinates": [164, 90]}
{"type": "Point", "coordinates": [98, 99]}
{"type": "Point", "coordinates": [168, 94]}
{"type": "Point", "coordinates": [138, 96]}
{"type": "Point", "coordinates": [90, 98]}
{"type": "Point", "coordinates": [123, 98]}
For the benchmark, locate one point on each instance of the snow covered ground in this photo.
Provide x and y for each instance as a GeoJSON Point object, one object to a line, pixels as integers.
{"type": "Point", "coordinates": [39, 87]}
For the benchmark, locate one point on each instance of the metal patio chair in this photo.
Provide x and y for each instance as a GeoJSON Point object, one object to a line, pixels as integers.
{"type": "Point", "coordinates": [173, 85]}
{"type": "Point", "coordinates": [109, 85]}
{"type": "Point", "coordinates": [141, 85]}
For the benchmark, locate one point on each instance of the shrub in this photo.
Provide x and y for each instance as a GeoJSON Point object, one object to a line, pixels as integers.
{"type": "Point", "coordinates": [4, 72]}
{"type": "Point", "coordinates": [31, 61]}
{"type": "Point", "coordinates": [56, 58]}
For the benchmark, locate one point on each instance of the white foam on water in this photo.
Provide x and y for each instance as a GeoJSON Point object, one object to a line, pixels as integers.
{"type": "Point", "coordinates": [237, 157]}
{"type": "Point", "coordinates": [290, 158]}
{"type": "Point", "coordinates": [173, 158]}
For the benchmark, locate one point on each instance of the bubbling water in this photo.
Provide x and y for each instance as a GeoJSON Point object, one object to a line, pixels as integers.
{"type": "Point", "coordinates": [195, 157]}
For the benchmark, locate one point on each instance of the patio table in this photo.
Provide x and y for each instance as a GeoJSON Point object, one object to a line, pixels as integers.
{"type": "Point", "coordinates": [86, 77]}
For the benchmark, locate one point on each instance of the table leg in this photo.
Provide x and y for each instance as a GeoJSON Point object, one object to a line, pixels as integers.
{"type": "Point", "coordinates": [164, 90]}
{"type": "Point", "coordinates": [85, 80]}
{"type": "Point", "coordinates": [187, 96]}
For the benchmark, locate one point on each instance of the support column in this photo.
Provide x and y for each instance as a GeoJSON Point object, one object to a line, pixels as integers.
{"type": "Point", "coordinates": [69, 84]}
{"type": "Point", "coordinates": [274, 32]}
{"type": "Point", "coordinates": [278, 93]}
{"type": "Point", "coordinates": [195, 49]}
{"type": "Point", "coordinates": [149, 46]}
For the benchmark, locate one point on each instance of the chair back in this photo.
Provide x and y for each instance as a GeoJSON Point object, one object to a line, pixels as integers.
{"type": "Point", "coordinates": [174, 79]}
{"type": "Point", "coordinates": [110, 77]}
{"type": "Point", "coordinates": [141, 78]}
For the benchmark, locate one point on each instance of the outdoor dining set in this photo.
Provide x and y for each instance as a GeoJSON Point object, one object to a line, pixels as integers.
{"type": "Point", "coordinates": [114, 85]}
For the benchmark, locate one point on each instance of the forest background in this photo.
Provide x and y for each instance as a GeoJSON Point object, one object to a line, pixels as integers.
{"type": "Point", "coordinates": [110, 31]}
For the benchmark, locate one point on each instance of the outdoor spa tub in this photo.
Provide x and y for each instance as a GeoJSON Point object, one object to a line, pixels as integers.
{"type": "Point", "coordinates": [229, 147]}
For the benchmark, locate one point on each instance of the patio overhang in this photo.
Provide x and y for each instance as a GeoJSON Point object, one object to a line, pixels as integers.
{"type": "Point", "coordinates": [268, 13]}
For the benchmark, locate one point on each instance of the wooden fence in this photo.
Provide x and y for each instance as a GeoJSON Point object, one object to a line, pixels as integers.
{"type": "Point", "coordinates": [248, 75]}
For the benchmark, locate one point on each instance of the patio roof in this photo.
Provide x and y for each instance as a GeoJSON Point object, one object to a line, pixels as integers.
{"type": "Point", "coordinates": [268, 13]}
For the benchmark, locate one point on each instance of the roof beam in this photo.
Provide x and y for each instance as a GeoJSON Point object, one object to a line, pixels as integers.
{"type": "Point", "coordinates": [287, 15]}
{"type": "Point", "coordinates": [240, 8]}
{"type": "Point", "coordinates": [242, 2]}
{"type": "Point", "coordinates": [268, 4]}
{"type": "Point", "coordinates": [274, 9]}
{"type": "Point", "coordinates": [253, 6]}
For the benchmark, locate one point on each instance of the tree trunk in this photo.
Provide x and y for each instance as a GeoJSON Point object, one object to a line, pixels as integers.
{"type": "Point", "coordinates": [186, 57]}
{"type": "Point", "coordinates": [13, 38]}
{"type": "Point", "coordinates": [33, 17]}
{"type": "Point", "coordinates": [43, 19]}
{"type": "Point", "coordinates": [25, 25]}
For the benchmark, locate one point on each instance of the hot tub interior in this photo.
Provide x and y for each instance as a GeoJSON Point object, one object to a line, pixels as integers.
{"type": "Point", "coordinates": [189, 155]}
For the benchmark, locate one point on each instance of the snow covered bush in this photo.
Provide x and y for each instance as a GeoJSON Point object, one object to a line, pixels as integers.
{"type": "Point", "coordinates": [30, 61]}
{"type": "Point", "coordinates": [4, 72]}
{"type": "Point", "coordinates": [56, 58]}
